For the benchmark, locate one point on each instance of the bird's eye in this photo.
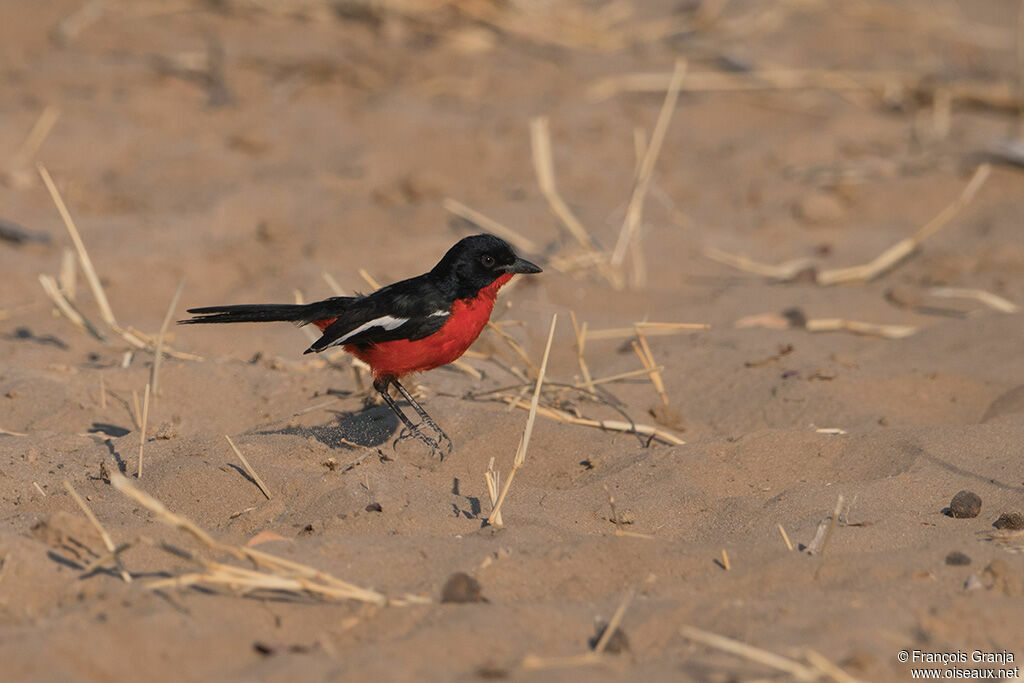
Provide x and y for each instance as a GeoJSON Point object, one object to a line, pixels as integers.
{"type": "Point", "coordinates": [487, 260]}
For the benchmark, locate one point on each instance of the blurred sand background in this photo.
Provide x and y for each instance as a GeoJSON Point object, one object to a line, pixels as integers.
{"type": "Point", "coordinates": [247, 148]}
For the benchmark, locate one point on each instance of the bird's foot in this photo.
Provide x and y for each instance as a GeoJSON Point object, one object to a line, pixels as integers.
{"type": "Point", "coordinates": [433, 444]}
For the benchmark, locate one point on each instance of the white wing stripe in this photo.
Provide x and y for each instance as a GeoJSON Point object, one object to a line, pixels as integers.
{"type": "Point", "coordinates": [386, 321]}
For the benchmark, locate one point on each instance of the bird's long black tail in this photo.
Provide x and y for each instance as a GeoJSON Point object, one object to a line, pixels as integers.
{"type": "Point", "coordinates": [300, 314]}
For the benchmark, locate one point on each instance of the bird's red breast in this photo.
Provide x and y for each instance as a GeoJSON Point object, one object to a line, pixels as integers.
{"type": "Point", "coordinates": [466, 320]}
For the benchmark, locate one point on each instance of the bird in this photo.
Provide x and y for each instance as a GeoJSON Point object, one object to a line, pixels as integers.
{"type": "Point", "coordinates": [406, 327]}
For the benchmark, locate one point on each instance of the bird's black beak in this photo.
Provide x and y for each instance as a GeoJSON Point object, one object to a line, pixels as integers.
{"type": "Point", "coordinates": [524, 267]}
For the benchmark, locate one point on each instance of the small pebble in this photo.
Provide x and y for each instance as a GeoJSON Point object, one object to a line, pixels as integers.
{"type": "Point", "coordinates": [374, 507]}
{"type": "Point", "coordinates": [166, 431]}
{"type": "Point", "coordinates": [819, 209]}
{"type": "Point", "coordinates": [973, 583]}
{"type": "Point", "coordinates": [617, 644]}
{"type": "Point", "coordinates": [1010, 520]}
{"type": "Point", "coordinates": [795, 316]}
{"type": "Point", "coordinates": [957, 559]}
{"type": "Point", "coordinates": [965, 505]}
{"type": "Point", "coordinates": [461, 587]}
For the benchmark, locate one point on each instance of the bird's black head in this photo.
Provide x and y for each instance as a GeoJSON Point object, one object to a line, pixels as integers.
{"type": "Point", "coordinates": [477, 261]}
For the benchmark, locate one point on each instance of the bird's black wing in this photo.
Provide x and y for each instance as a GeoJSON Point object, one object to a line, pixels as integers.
{"type": "Point", "coordinates": [411, 309]}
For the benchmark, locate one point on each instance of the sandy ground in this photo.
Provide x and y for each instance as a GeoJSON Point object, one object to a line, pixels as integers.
{"type": "Point", "coordinates": [248, 151]}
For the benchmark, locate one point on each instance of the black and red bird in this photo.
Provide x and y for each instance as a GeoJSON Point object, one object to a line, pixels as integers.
{"type": "Point", "coordinates": [409, 326]}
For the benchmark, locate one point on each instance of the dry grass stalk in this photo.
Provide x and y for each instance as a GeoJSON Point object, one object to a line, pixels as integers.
{"type": "Point", "coordinates": [369, 279]}
{"type": "Point", "coordinates": [595, 656]}
{"type": "Point", "coordinates": [614, 378]}
{"type": "Point", "coordinates": [513, 344]}
{"type": "Point", "coordinates": [799, 672]}
{"type": "Point", "coordinates": [83, 256]}
{"type": "Point", "coordinates": [634, 211]}
{"type": "Point", "coordinates": [311, 334]}
{"type": "Point", "coordinates": [332, 283]}
{"type": "Point", "coordinates": [158, 352]}
{"type": "Point", "coordinates": [902, 249]}
{"type": "Point", "coordinates": [581, 339]}
{"type": "Point", "coordinates": [490, 225]}
{"type": "Point", "coordinates": [775, 79]}
{"type": "Point", "coordinates": [784, 272]}
{"type": "Point", "coordinates": [858, 327]}
{"type": "Point", "coordinates": [822, 664]}
{"type": "Point", "coordinates": [463, 366]}
{"type": "Point", "coordinates": [881, 264]}
{"type": "Point", "coordinates": [67, 278]}
{"type": "Point", "coordinates": [619, 530]}
{"type": "Point", "coordinates": [107, 541]}
{"type": "Point", "coordinates": [273, 573]}
{"type": "Point", "coordinates": [248, 468]}
{"type": "Point", "coordinates": [785, 537]}
{"type": "Point", "coordinates": [607, 425]}
{"type": "Point", "coordinates": [524, 442]}
{"type": "Point", "coordinates": [68, 309]}
{"type": "Point", "coordinates": [136, 411]}
{"type": "Point", "coordinates": [725, 561]}
{"type": "Point", "coordinates": [544, 168]}
{"type": "Point", "coordinates": [652, 329]}
{"type": "Point", "coordinates": [993, 301]}
{"type": "Point", "coordinates": [10, 433]}
{"type": "Point", "coordinates": [142, 428]}
{"type": "Point", "coordinates": [647, 358]}
{"type": "Point", "coordinates": [132, 336]}
{"type": "Point", "coordinates": [534, 663]}
{"type": "Point", "coordinates": [39, 488]}
{"type": "Point", "coordinates": [34, 140]}
{"type": "Point", "coordinates": [493, 479]}
{"type": "Point", "coordinates": [614, 622]}
{"type": "Point", "coordinates": [832, 524]}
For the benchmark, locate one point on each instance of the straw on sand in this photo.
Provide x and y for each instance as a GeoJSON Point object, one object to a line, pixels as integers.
{"type": "Point", "coordinates": [643, 350]}
{"type": "Point", "coordinates": [130, 335]}
{"type": "Point", "coordinates": [595, 656]}
{"type": "Point", "coordinates": [524, 442]}
{"type": "Point", "coordinates": [884, 262]}
{"type": "Point", "coordinates": [581, 337]}
{"type": "Point", "coordinates": [83, 256]}
{"type": "Point", "coordinates": [154, 379]}
{"type": "Point", "coordinates": [798, 671]}
{"type": "Point", "coordinates": [65, 306]}
{"type": "Point", "coordinates": [905, 247]}
{"type": "Point", "coordinates": [248, 468]}
{"type": "Point", "coordinates": [107, 541]}
{"type": "Point", "coordinates": [634, 212]}
{"type": "Point", "coordinates": [142, 428]}
{"type": "Point", "coordinates": [993, 301]}
{"type": "Point", "coordinates": [271, 573]}
{"type": "Point", "coordinates": [544, 168]}
{"type": "Point", "coordinates": [651, 329]}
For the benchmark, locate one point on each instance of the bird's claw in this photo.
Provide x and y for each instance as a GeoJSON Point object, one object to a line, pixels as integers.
{"type": "Point", "coordinates": [433, 444]}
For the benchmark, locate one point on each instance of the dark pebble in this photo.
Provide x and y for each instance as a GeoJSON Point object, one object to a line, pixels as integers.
{"type": "Point", "coordinates": [461, 587]}
{"type": "Point", "coordinates": [965, 505]}
{"type": "Point", "coordinates": [374, 507]}
{"type": "Point", "coordinates": [957, 559]}
{"type": "Point", "coordinates": [617, 644]}
{"type": "Point", "coordinates": [1010, 520]}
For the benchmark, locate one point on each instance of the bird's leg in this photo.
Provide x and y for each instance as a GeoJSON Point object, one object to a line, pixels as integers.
{"type": "Point", "coordinates": [382, 387]}
{"type": "Point", "coordinates": [427, 420]}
